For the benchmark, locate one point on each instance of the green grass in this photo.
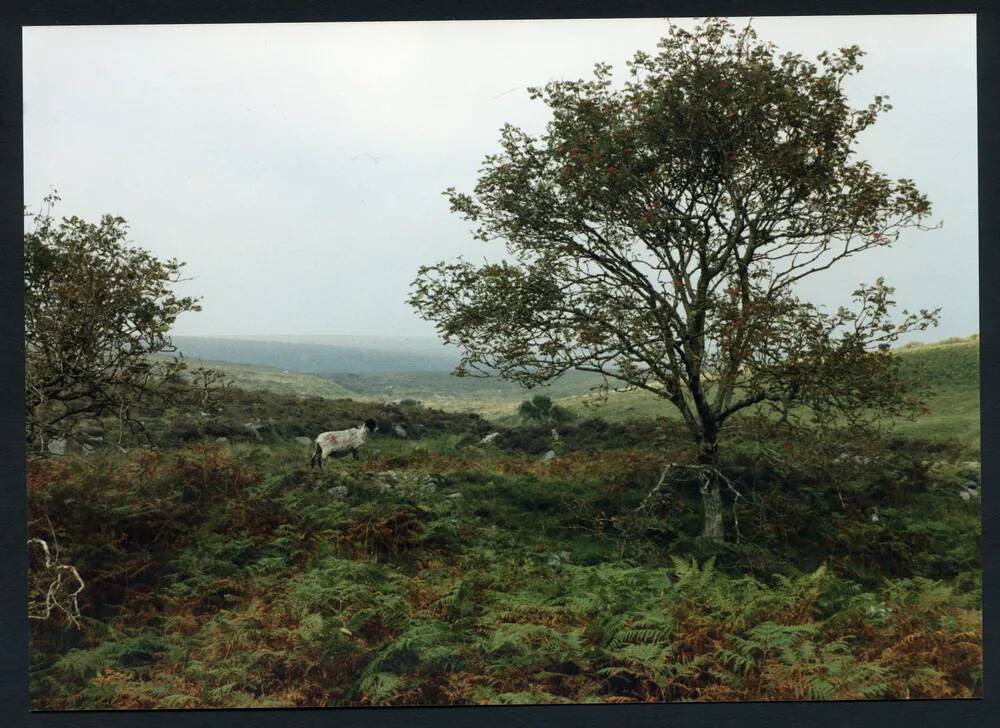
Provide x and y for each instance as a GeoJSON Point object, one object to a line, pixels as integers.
{"type": "Point", "coordinates": [233, 577]}
{"type": "Point", "coordinates": [951, 368]}
{"type": "Point", "coordinates": [442, 572]}
{"type": "Point", "coordinates": [485, 396]}
{"type": "Point", "coordinates": [255, 378]}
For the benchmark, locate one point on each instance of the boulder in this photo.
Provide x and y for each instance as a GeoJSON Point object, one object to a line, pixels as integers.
{"type": "Point", "coordinates": [489, 438]}
{"type": "Point", "coordinates": [550, 455]}
{"type": "Point", "coordinates": [558, 558]}
{"type": "Point", "coordinates": [222, 440]}
{"type": "Point", "coordinates": [454, 495]}
{"type": "Point", "coordinates": [968, 490]}
{"type": "Point", "coordinates": [338, 491]}
{"type": "Point", "coordinates": [399, 431]}
{"type": "Point", "coordinates": [856, 459]}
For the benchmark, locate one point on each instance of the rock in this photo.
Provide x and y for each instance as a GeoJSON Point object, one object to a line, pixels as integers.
{"type": "Point", "coordinates": [222, 440]}
{"type": "Point", "coordinates": [550, 455]}
{"type": "Point", "coordinates": [857, 459]}
{"type": "Point", "coordinates": [304, 440]}
{"type": "Point", "coordinates": [454, 495]}
{"type": "Point", "coordinates": [558, 558]}
{"type": "Point", "coordinates": [968, 490]}
{"type": "Point", "coordinates": [66, 446]}
{"type": "Point", "coordinates": [391, 475]}
{"type": "Point", "coordinates": [399, 430]}
{"type": "Point", "coordinates": [489, 438]}
{"type": "Point", "coordinates": [555, 435]}
{"type": "Point", "coordinates": [338, 491]}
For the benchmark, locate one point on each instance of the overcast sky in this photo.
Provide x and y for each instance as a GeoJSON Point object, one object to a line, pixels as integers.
{"type": "Point", "coordinates": [298, 168]}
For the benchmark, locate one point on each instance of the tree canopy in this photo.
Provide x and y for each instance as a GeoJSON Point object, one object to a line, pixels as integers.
{"type": "Point", "coordinates": [541, 409]}
{"type": "Point", "coordinates": [96, 310]}
{"type": "Point", "coordinates": [656, 233]}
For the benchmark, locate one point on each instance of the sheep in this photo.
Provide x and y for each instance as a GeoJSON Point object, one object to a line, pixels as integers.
{"type": "Point", "coordinates": [339, 443]}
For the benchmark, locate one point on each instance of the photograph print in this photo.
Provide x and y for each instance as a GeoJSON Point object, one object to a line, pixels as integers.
{"type": "Point", "coordinates": [502, 362]}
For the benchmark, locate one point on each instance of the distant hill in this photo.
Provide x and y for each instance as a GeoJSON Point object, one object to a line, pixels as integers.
{"type": "Point", "coordinates": [376, 355]}
{"type": "Point", "coordinates": [950, 367]}
{"type": "Point", "coordinates": [256, 377]}
{"type": "Point", "coordinates": [387, 368]}
{"type": "Point", "coordinates": [441, 388]}
{"type": "Point", "coordinates": [422, 345]}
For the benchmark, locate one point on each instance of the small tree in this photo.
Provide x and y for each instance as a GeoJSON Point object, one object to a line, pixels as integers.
{"type": "Point", "coordinates": [658, 233]}
{"type": "Point", "coordinates": [96, 311]}
{"type": "Point", "coordinates": [541, 409]}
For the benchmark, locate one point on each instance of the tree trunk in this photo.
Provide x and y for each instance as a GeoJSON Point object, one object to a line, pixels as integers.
{"type": "Point", "coordinates": [711, 493]}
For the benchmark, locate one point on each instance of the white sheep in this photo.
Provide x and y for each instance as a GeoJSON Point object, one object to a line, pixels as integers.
{"type": "Point", "coordinates": [340, 443]}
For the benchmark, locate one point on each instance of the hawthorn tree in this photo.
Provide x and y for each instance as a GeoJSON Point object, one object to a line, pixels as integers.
{"type": "Point", "coordinates": [541, 409]}
{"type": "Point", "coordinates": [656, 233]}
{"type": "Point", "coordinates": [96, 311]}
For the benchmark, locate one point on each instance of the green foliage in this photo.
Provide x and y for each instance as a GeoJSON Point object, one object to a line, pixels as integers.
{"type": "Point", "coordinates": [96, 308]}
{"type": "Point", "coordinates": [541, 410]}
{"type": "Point", "coordinates": [231, 577]}
{"type": "Point", "coordinates": [608, 273]}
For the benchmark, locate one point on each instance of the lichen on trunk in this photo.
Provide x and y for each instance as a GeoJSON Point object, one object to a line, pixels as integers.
{"type": "Point", "coordinates": [711, 493]}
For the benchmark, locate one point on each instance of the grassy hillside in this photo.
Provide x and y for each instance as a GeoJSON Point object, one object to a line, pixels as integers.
{"type": "Point", "coordinates": [222, 571]}
{"type": "Point", "coordinates": [485, 396]}
{"type": "Point", "coordinates": [315, 358]}
{"type": "Point", "coordinates": [436, 572]}
{"type": "Point", "coordinates": [255, 377]}
{"type": "Point", "coordinates": [951, 369]}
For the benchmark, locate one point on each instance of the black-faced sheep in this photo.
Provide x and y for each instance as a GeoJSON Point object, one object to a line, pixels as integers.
{"type": "Point", "coordinates": [340, 443]}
